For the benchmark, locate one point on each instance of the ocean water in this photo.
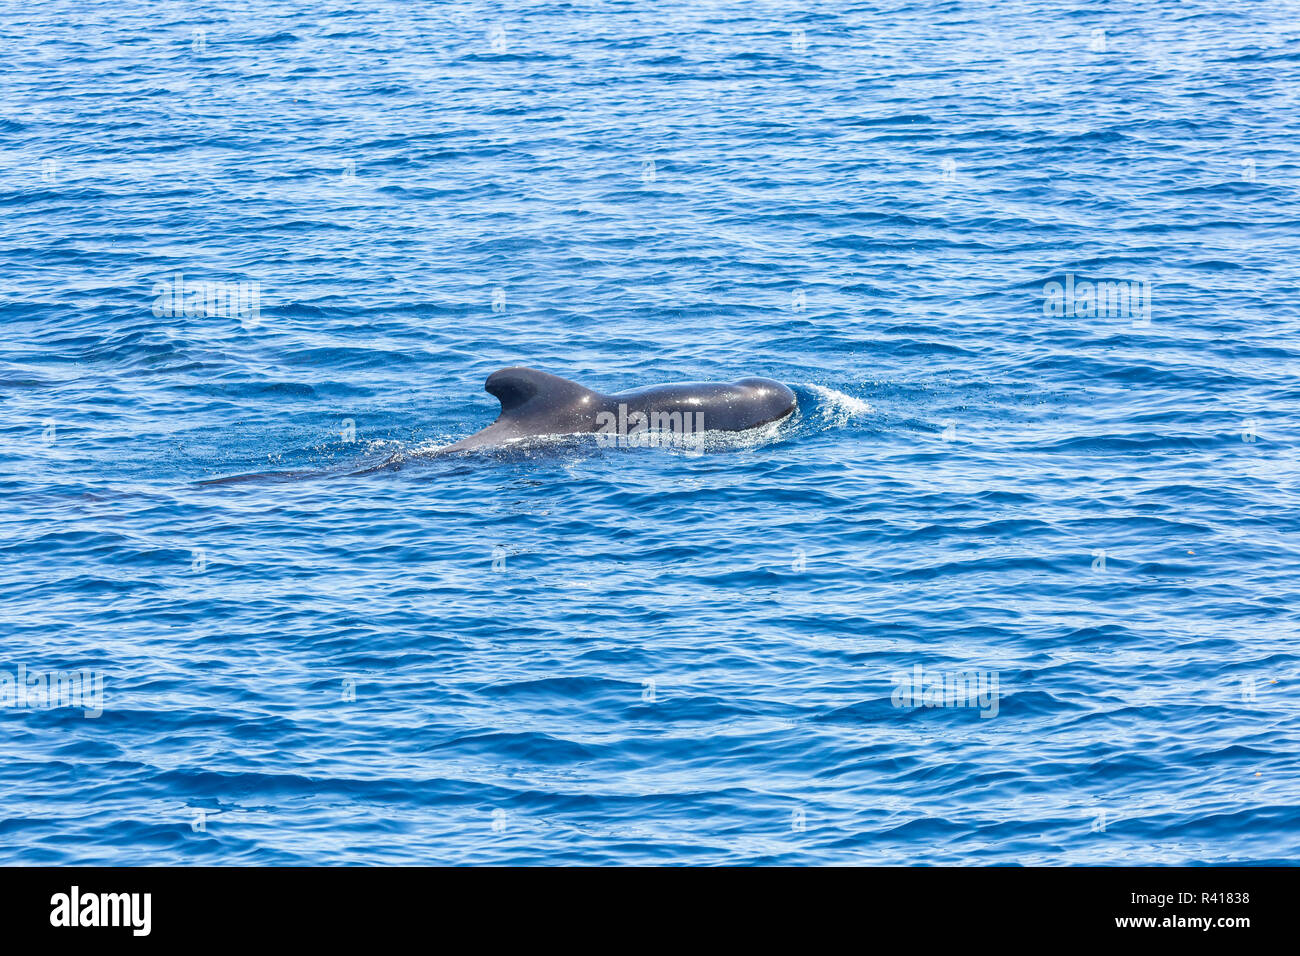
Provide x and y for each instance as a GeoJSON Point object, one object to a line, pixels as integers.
{"type": "Point", "coordinates": [1083, 519]}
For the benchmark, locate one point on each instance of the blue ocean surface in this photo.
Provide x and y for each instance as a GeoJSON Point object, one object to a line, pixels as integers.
{"type": "Point", "coordinates": [1018, 582]}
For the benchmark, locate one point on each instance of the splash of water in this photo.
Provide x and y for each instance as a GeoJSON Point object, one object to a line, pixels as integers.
{"type": "Point", "coordinates": [836, 408]}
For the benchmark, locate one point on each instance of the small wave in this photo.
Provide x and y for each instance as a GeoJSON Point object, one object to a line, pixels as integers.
{"type": "Point", "coordinates": [836, 408]}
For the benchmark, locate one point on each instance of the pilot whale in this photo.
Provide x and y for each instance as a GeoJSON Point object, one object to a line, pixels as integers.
{"type": "Point", "coordinates": [539, 403]}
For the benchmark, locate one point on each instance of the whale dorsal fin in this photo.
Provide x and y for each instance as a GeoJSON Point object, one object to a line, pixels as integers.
{"type": "Point", "coordinates": [515, 387]}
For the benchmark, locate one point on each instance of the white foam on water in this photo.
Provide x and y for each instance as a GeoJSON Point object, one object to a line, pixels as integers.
{"type": "Point", "coordinates": [838, 408]}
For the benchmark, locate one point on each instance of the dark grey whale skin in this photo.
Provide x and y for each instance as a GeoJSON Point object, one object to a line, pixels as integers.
{"type": "Point", "coordinates": [539, 403]}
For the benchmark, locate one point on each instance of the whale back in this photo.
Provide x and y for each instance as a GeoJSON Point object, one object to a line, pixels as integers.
{"type": "Point", "coordinates": [720, 406]}
{"type": "Point", "coordinates": [539, 403]}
